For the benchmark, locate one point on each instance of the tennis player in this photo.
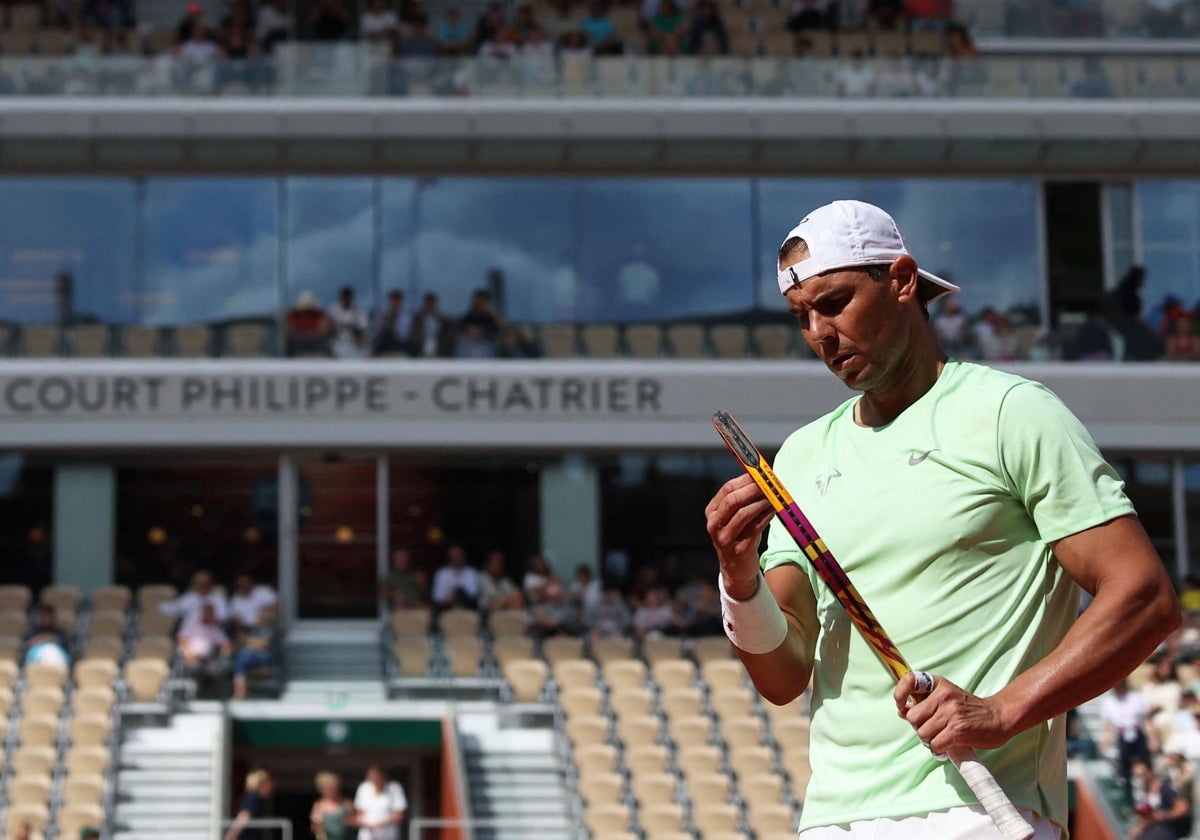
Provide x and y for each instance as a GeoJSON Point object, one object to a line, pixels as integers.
{"type": "Point", "coordinates": [969, 506]}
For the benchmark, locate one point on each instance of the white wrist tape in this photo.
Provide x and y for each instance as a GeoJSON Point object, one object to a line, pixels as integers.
{"type": "Point", "coordinates": [755, 625]}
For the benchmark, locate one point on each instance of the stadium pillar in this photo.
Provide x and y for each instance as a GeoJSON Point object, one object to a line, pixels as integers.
{"type": "Point", "coordinates": [569, 493]}
{"type": "Point", "coordinates": [85, 523]}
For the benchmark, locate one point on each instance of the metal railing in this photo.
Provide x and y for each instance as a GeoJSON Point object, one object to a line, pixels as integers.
{"type": "Point", "coordinates": [419, 825]}
{"type": "Point", "coordinates": [357, 71]}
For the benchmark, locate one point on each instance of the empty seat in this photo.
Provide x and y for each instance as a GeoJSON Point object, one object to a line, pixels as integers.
{"type": "Point", "coordinates": [459, 622]}
{"type": "Point", "coordinates": [730, 341]}
{"type": "Point", "coordinates": [647, 758]}
{"type": "Point", "coordinates": [761, 789]}
{"type": "Point", "coordinates": [510, 648]}
{"type": "Point", "coordinates": [526, 678]}
{"type": "Point", "coordinates": [717, 817]}
{"type": "Point", "coordinates": [30, 787]}
{"type": "Point", "coordinates": [561, 647]}
{"type": "Point", "coordinates": [637, 729]}
{"type": "Point", "coordinates": [41, 340]}
{"type": "Point", "coordinates": [635, 700]}
{"type": "Point", "coordinates": [106, 623]}
{"type": "Point", "coordinates": [685, 702]}
{"type": "Point", "coordinates": [750, 760]}
{"type": "Point", "coordinates": [246, 341]}
{"type": "Point", "coordinates": [193, 341]}
{"type": "Point", "coordinates": [773, 341]}
{"type": "Point", "coordinates": [649, 788]}
{"type": "Point", "coordinates": [662, 817]}
{"type": "Point", "coordinates": [624, 673]}
{"type": "Point", "coordinates": [795, 709]}
{"type": "Point", "coordinates": [644, 341]}
{"type": "Point", "coordinates": [154, 647]}
{"type": "Point", "coordinates": [603, 820]}
{"type": "Point", "coordinates": [595, 758]}
{"type": "Point", "coordinates": [43, 674]}
{"type": "Point", "coordinates": [747, 729]}
{"type": "Point", "coordinates": [411, 622]}
{"type": "Point", "coordinates": [154, 623]}
{"type": "Point", "coordinates": [686, 341]}
{"type": "Point", "coordinates": [90, 341]}
{"type": "Point", "coordinates": [83, 788]}
{"type": "Point", "coordinates": [673, 673]}
{"type": "Point", "coordinates": [699, 758]}
{"type": "Point", "coordinates": [732, 703]}
{"type": "Point", "coordinates": [115, 598]}
{"type": "Point", "coordinates": [13, 623]}
{"type": "Point", "coordinates": [574, 673]}
{"type": "Point", "coordinates": [10, 649]}
{"type": "Point", "coordinates": [86, 760]}
{"type": "Point", "coordinates": [711, 647]}
{"type": "Point", "coordinates": [412, 655]}
{"type": "Point", "coordinates": [601, 788]}
{"type": "Point", "coordinates": [15, 597]}
{"type": "Point", "coordinates": [90, 729]}
{"type": "Point", "coordinates": [707, 787]}
{"type": "Point", "coordinates": [688, 730]}
{"type": "Point", "coordinates": [608, 648]}
{"type": "Point", "coordinates": [464, 654]}
{"type": "Point", "coordinates": [600, 341]}
{"type": "Point", "coordinates": [150, 595]}
{"type": "Point", "coordinates": [508, 622]}
{"type": "Point", "coordinates": [46, 700]}
{"type": "Point", "coordinates": [104, 647]}
{"type": "Point", "coordinates": [796, 763]}
{"type": "Point", "coordinates": [139, 341]}
{"type": "Point", "coordinates": [35, 814]}
{"type": "Point", "coordinates": [38, 730]}
{"type": "Point", "coordinates": [558, 341]}
{"type": "Point", "coordinates": [34, 758]}
{"type": "Point", "coordinates": [76, 816]}
{"type": "Point", "coordinates": [582, 730]}
{"type": "Point", "coordinates": [722, 674]}
{"type": "Point", "coordinates": [581, 701]}
{"type": "Point", "coordinates": [7, 700]}
{"type": "Point", "coordinates": [145, 678]}
{"type": "Point", "coordinates": [664, 647]}
{"type": "Point", "coordinates": [771, 821]}
{"type": "Point", "coordinates": [94, 699]}
{"type": "Point", "coordinates": [791, 732]}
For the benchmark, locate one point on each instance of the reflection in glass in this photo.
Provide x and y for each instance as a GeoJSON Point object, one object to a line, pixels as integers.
{"type": "Point", "coordinates": [83, 226]}
{"type": "Point", "coordinates": [659, 248]}
{"type": "Point", "coordinates": [174, 518]}
{"type": "Point", "coordinates": [211, 249]}
{"type": "Point", "coordinates": [980, 233]}
{"type": "Point", "coordinates": [330, 236]}
{"type": "Point", "coordinates": [1170, 230]}
{"type": "Point", "coordinates": [1148, 486]}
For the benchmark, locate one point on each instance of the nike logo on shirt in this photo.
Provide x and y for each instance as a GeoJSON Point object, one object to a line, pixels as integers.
{"type": "Point", "coordinates": [915, 459]}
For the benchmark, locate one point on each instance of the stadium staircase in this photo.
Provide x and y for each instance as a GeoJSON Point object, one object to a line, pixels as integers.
{"type": "Point", "coordinates": [516, 778]}
{"type": "Point", "coordinates": [333, 663]}
{"type": "Point", "coordinates": [170, 769]}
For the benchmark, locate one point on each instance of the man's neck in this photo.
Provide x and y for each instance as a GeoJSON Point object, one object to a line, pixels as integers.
{"type": "Point", "coordinates": [881, 406]}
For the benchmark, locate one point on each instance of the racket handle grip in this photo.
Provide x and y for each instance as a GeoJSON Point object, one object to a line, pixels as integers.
{"type": "Point", "coordinates": [991, 796]}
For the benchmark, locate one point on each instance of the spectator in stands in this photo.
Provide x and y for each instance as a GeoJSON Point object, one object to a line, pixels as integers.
{"type": "Point", "coordinates": [656, 616]}
{"type": "Point", "coordinates": [600, 30]}
{"type": "Point", "coordinates": [707, 22]}
{"type": "Point", "coordinates": [192, 14]}
{"type": "Point", "coordinates": [253, 651]}
{"type": "Point", "coordinates": [433, 334]}
{"type": "Point", "coordinates": [854, 77]}
{"type": "Point", "coordinates": [950, 324]}
{"type": "Point", "coordinates": [274, 25]}
{"type": "Point", "coordinates": [489, 27]}
{"type": "Point", "coordinates": [927, 15]}
{"type": "Point", "coordinates": [418, 43]}
{"type": "Point", "coordinates": [1123, 309]}
{"type": "Point", "coordinates": [1094, 84]}
{"type": "Point", "coordinates": [329, 21]}
{"type": "Point", "coordinates": [701, 613]}
{"type": "Point", "coordinates": [307, 327]}
{"type": "Point", "coordinates": [1165, 18]}
{"type": "Point", "coordinates": [205, 649]}
{"type": "Point", "coordinates": [200, 51]}
{"type": "Point", "coordinates": [807, 14]}
{"type": "Point", "coordinates": [392, 331]}
{"type": "Point", "coordinates": [1183, 345]}
{"type": "Point", "coordinates": [472, 343]}
{"type": "Point", "coordinates": [454, 35]}
{"type": "Point", "coordinates": [45, 642]}
{"type": "Point", "coordinates": [1092, 343]}
{"type": "Point", "coordinates": [332, 813]}
{"type": "Point", "coordinates": [1076, 18]}
{"type": "Point", "coordinates": [1162, 694]}
{"type": "Point", "coordinates": [201, 593]}
{"type": "Point", "coordinates": [585, 590]}
{"type": "Point", "coordinates": [379, 22]}
{"type": "Point", "coordinates": [404, 587]}
{"type": "Point", "coordinates": [251, 602]}
{"type": "Point", "coordinates": [379, 806]}
{"type": "Point", "coordinates": [1124, 712]}
{"type": "Point", "coordinates": [610, 617]}
{"type": "Point", "coordinates": [252, 806]}
{"type": "Point", "coordinates": [666, 30]}
{"type": "Point", "coordinates": [553, 615]}
{"type": "Point", "coordinates": [995, 338]}
{"type": "Point", "coordinates": [483, 315]}
{"type": "Point", "coordinates": [886, 13]}
{"type": "Point", "coordinates": [959, 44]}
{"type": "Point", "coordinates": [239, 70]}
{"type": "Point", "coordinates": [1163, 812]}
{"type": "Point", "coordinates": [536, 578]}
{"type": "Point", "coordinates": [456, 584]}
{"type": "Point", "coordinates": [349, 321]}
{"type": "Point", "coordinates": [496, 589]}
{"type": "Point", "coordinates": [512, 344]}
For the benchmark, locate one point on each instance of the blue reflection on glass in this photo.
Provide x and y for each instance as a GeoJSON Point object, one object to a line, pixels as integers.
{"type": "Point", "coordinates": [514, 236]}
{"type": "Point", "coordinates": [84, 226]}
{"type": "Point", "coordinates": [1170, 229]}
{"type": "Point", "coordinates": [211, 249]}
{"type": "Point", "coordinates": [980, 233]}
{"type": "Point", "coordinates": [330, 238]}
{"type": "Point", "coordinates": [652, 248]}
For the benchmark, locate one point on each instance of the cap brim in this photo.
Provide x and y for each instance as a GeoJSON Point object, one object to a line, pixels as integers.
{"type": "Point", "coordinates": [935, 287]}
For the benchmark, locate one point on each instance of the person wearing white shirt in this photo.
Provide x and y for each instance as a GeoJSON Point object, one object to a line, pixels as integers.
{"type": "Point", "coordinates": [456, 584]}
{"type": "Point", "coordinates": [190, 604]}
{"type": "Point", "coordinates": [380, 806]}
{"type": "Point", "coordinates": [1124, 713]}
{"type": "Point", "coordinates": [249, 600]}
{"type": "Point", "coordinates": [349, 325]}
{"type": "Point", "coordinates": [378, 22]}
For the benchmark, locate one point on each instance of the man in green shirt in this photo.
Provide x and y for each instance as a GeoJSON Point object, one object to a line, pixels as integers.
{"type": "Point", "coordinates": [968, 506]}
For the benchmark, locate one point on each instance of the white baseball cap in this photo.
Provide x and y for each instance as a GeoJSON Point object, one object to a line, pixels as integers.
{"type": "Point", "coordinates": [847, 234]}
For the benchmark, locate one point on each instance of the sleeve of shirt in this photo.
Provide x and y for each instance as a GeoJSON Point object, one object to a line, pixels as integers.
{"type": "Point", "coordinates": [359, 804]}
{"type": "Point", "coordinates": [397, 800]}
{"type": "Point", "coordinates": [1053, 466]}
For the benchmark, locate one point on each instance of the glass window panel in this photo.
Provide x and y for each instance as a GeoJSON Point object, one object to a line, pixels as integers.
{"type": "Point", "coordinates": [176, 517]}
{"type": "Point", "coordinates": [398, 259]}
{"type": "Point", "coordinates": [980, 233]}
{"type": "Point", "coordinates": [511, 235]}
{"type": "Point", "coordinates": [1148, 485]}
{"type": "Point", "coordinates": [27, 510]}
{"type": "Point", "coordinates": [84, 226]}
{"type": "Point", "coordinates": [1170, 229]}
{"type": "Point", "coordinates": [664, 248]}
{"type": "Point", "coordinates": [330, 238]}
{"type": "Point", "coordinates": [211, 249]}
{"type": "Point", "coordinates": [1191, 483]}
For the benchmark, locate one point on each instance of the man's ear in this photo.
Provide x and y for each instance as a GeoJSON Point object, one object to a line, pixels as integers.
{"type": "Point", "coordinates": [905, 281]}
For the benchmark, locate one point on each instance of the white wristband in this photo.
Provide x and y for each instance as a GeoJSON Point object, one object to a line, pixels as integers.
{"type": "Point", "coordinates": [755, 625]}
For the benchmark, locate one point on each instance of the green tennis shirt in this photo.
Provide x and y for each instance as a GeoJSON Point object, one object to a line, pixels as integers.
{"type": "Point", "coordinates": [942, 519]}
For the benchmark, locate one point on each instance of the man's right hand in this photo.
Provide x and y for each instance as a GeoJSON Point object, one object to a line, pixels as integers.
{"type": "Point", "coordinates": [735, 519]}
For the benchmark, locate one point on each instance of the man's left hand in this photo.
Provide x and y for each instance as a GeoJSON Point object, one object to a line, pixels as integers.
{"type": "Point", "coordinates": [951, 717]}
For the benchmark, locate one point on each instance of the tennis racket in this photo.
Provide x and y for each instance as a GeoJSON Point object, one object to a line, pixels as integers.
{"type": "Point", "coordinates": [989, 793]}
